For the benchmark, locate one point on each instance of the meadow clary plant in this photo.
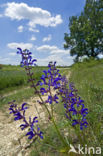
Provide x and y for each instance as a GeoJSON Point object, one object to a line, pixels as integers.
{"type": "Point", "coordinates": [73, 104]}
{"type": "Point", "coordinates": [55, 86]}
{"type": "Point", "coordinates": [19, 113]}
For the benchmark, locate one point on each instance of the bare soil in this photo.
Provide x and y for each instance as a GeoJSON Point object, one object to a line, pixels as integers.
{"type": "Point", "coordinates": [12, 138]}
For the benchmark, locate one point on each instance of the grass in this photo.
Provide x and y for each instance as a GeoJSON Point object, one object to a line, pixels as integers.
{"type": "Point", "coordinates": [14, 85]}
{"type": "Point", "coordinates": [20, 96]}
{"type": "Point", "coordinates": [13, 77]}
{"type": "Point", "coordinates": [88, 79]}
{"type": "Point", "coordinates": [50, 146]}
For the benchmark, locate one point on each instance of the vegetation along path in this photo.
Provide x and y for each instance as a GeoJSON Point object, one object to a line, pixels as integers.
{"type": "Point", "coordinates": [12, 139]}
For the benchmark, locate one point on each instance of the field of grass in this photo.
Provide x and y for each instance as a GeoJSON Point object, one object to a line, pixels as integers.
{"type": "Point", "coordinates": [88, 79]}
{"type": "Point", "coordinates": [14, 83]}
{"type": "Point", "coordinates": [12, 77]}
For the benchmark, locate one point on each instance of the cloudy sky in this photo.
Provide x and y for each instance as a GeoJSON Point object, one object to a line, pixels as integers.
{"type": "Point", "coordinates": [38, 25]}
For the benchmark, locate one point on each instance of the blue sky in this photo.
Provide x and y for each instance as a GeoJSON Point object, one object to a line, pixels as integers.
{"type": "Point", "coordinates": [38, 25]}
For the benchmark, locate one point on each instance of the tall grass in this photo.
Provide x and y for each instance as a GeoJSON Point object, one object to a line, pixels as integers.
{"type": "Point", "coordinates": [12, 78]}
{"type": "Point", "coordinates": [15, 76]}
{"type": "Point", "coordinates": [20, 96]}
{"type": "Point", "coordinates": [88, 78]}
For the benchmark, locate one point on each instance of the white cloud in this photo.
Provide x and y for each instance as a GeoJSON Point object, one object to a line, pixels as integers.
{"type": "Point", "coordinates": [60, 51]}
{"type": "Point", "coordinates": [55, 54]}
{"type": "Point", "coordinates": [45, 61]}
{"type": "Point", "coordinates": [1, 15]}
{"type": "Point", "coordinates": [20, 28]}
{"type": "Point", "coordinates": [5, 60]}
{"type": "Point", "coordinates": [15, 45]}
{"type": "Point", "coordinates": [20, 11]}
{"type": "Point", "coordinates": [48, 38]}
{"type": "Point", "coordinates": [58, 58]}
{"type": "Point", "coordinates": [12, 54]}
{"type": "Point", "coordinates": [33, 38]}
{"type": "Point", "coordinates": [61, 56]}
{"type": "Point", "coordinates": [46, 48]}
{"type": "Point", "coordinates": [52, 50]}
{"type": "Point", "coordinates": [33, 30]}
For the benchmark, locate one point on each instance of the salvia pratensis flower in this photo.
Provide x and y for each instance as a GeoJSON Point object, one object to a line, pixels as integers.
{"type": "Point", "coordinates": [51, 77]}
{"type": "Point", "coordinates": [19, 113]}
{"type": "Point", "coordinates": [74, 105]}
{"type": "Point", "coordinates": [26, 57]}
{"type": "Point", "coordinates": [52, 80]}
{"type": "Point", "coordinates": [27, 62]}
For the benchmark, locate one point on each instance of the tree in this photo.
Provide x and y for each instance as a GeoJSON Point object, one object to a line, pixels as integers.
{"type": "Point", "coordinates": [86, 31]}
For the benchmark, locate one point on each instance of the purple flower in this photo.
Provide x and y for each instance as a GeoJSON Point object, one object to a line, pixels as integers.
{"type": "Point", "coordinates": [23, 126]}
{"type": "Point", "coordinates": [55, 98]}
{"type": "Point", "coordinates": [31, 134]}
{"type": "Point", "coordinates": [18, 116]}
{"type": "Point", "coordinates": [19, 113]}
{"type": "Point", "coordinates": [52, 76]}
{"type": "Point", "coordinates": [45, 73]}
{"type": "Point", "coordinates": [49, 99]}
{"type": "Point", "coordinates": [34, 130]}
{"type": "Point", "coordinates": [50, 80]}
{"type": "Point", "coordinates": [26, 57]}
{"type": "Point", "coordinates": [23, 107]}
{"type": "Point", "coordinates": [40, 134]}
{"type": "Point", "coordinates": [73, 104]}
{"type": "Point", "coordinates": [43, 90]}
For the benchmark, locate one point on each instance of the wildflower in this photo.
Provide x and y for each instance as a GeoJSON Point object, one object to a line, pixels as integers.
{"type": "Point", "coordinates": [50, 80]}
{"type": "Point", "coordinates": [51, 76]}
{"type": "Point", "coordinates": [19, 113]}
{"type": "Point", "coordinates": [74, 105]}
{"type": "Point", "coordinates": [26, 57]}
{"type": "Point", "coordinates": [27, 62]}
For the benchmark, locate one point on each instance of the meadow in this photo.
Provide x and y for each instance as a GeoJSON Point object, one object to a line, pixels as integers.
{"type": "Point", "coordinates": [14, 76]}
{"type": "Point", "coordinates": [88, 79]}
{"type": "Point", "coordinates": [14, 83]}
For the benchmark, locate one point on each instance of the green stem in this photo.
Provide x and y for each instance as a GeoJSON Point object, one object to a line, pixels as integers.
{"type": "Point", "coordinates": [58, 132]}
{"type": "Point", "coordinates": [38, 93]}
{"type": "Point", "coordinates": [53, 121]}
{"type": "Point", "coordinates": [52, 102]}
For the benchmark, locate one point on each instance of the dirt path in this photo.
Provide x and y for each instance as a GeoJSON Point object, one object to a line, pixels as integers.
{"type": "Point", "coordinates": [11, 136]}
{"type": "Point", "coordinates": [12, 141]}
